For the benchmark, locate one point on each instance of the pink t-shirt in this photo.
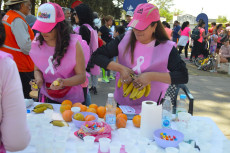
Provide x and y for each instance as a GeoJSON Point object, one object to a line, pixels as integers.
{"type": "Point", "coordinates": [201, 35]}
{"type": "Point", "coordinates": [185, 32]}
{"type": "Point", "coordinates": [169, 32]}
{"type": "Point", "coordinates": [14, 133]}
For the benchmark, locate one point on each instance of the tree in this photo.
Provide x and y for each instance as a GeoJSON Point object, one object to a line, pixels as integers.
{"type": "Point", "coordinates": [164, 4]}
{"type": "Point", "coordinates": [177, 12]}
{"type": "Point", "coordinates": [222, 19]}
{"type": "Point", "coordinates": [166, 14]}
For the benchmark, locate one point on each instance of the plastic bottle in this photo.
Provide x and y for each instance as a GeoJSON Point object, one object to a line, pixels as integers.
{"type": "Point", "coordinates": [111, 106]}
{"type": "Point", "coordinates": [182, 106]}
{"type": "Point", "coordinates": [166, 112]}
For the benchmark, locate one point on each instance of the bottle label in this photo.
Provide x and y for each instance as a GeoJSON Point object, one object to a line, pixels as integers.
{"type": "Point", "coordinates": [165, 122]}
{"type": "Point", "coordinates": [178, 110]}
{"type": "Point", "coordinates": [111, 119]}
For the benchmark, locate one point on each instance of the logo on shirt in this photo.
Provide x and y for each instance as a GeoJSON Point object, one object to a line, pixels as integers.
{"type": "Point", "coordinates": [140, 11]}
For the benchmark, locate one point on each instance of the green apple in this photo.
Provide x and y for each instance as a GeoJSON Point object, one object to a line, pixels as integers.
{"type": "Point", "coordinates": [79, 117]}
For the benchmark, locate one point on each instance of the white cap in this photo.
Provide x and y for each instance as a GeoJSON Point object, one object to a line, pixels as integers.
{"type": "Point", "coordinates": [110, 95]}
{"type": "Point", "coordinates": [129, 13]}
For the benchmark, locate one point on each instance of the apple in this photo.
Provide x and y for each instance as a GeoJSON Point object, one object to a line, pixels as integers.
{"type": "Point", "coordinates": [79, 117]}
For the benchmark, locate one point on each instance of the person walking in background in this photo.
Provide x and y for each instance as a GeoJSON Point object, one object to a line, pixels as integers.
{"type": "Point", "coordinates": [176, 29]}
{"type": "Point", "coordinates": [106, 35]}
{"type": "Point", "coordinates": [18, 42]}
{"type": "Point", "coordinates": [84, 18]}
{"type": "Point", "coordinates": [58, 56]}
{"type": "Point", "coordinates": [96, 20]}
{"type": "Point", "coordinates": [145, 56]}
{"type": "Point", "coordinates": [167, 29]}
{"type": "Point", "coordinates": [15, 135]}
{"type": "Point", "coordinates": [213, 26]}
{"type": "Point", "coordinates": [183, 42]}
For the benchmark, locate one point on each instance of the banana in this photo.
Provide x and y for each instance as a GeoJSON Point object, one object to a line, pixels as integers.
{"type": "Point", "coordinates": [128, 90]}
{"type": "Point", "coordinates": [34, 85]}
{"type": "Point", "coordinates": [148, 89]}
{"type": "Point", "coordinates": [40, 109]}
{"type": "Point", "coordinates": [140, 93]}
{"type": "Point", "coordinates": [56, 83]}
{"type": "Point", "coordinates": [44, 105]}
{"type": "Point", "coordinates": [119, 83]}
{"type": "Point", "coordinates": [59, 123]}
{"type": "Point", "coordinates": [125, 86]}
{"type": "Point", "coordinates": [134, 93]}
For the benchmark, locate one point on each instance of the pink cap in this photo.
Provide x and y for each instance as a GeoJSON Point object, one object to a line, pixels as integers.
{"type": "Point", "coordinates": [49, 14]}
{"type": "Point", "coordinates": [144, 15]}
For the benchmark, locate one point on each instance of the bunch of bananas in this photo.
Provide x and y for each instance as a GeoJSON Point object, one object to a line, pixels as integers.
{"type": "Point", "coordinates": [40, 108]}
{"type": "Point", "coordinates": [135, 92]}
{"type": "Point", "coordinates": [59, 123]}
{"type": "Point", "coordinates": [34, 85]}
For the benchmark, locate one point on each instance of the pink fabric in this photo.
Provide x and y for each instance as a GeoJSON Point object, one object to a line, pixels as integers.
{"type": "Point", "coordinates": [14, 134]}
{"type": "Point", "coordinates": [144, 15]}
{"type": "Point", "coordinates": [201, 35]}
{"type": "Point", "coordinates": [93, 46]}
{"type": "Point", "coordinates": [153, 59]}
{"type": "Point", "coordinates": [42, 57]}
{"type": "Point", "coordinates": [186, 31]}
{"type": "Point", "coordinates": [169, 32]}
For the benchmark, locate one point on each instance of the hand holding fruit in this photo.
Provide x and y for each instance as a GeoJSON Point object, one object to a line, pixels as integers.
{"type": "Point", "coordinates": [57, 84]}
{"type": "Point", "coordinates": [141, 81]}
{"type": "Point", "coordinates": [125, 75]}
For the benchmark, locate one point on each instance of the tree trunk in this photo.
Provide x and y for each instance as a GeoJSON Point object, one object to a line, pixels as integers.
{"type": "Point", "coordinates": [33, 7]}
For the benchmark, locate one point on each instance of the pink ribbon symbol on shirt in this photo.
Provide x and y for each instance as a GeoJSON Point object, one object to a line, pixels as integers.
{"type": "Point", "coordinates": [140, 61]}
{"type": "Point", "coordinates": [50, 67]}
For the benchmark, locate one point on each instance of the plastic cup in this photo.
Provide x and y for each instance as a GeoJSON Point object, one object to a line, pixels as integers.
{"type": "Point", "coordinates": [184, 147]}
{"type": "Point", "coordinates": [75, 109]}
{"type": "Point", "coordinates": [104, 144]}
{"type": "Point", "coordinates": [123, 134]}
{"type": "Point", "coordinates": [89, 141]}
{"type": "Point", "coordinates": [171, 150]}
{"type": "Point", "coordinates": [114, 148]}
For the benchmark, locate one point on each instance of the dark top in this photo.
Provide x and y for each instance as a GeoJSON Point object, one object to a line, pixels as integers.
{"type": "Point", "coordinates": [176, 29]}
{"type": "Point", "coordinates": [176, 66]}
{"type": "Point", "coordinates": [106, 34]}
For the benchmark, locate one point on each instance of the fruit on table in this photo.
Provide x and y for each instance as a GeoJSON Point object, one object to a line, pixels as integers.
{"type": "Point", "coordinates": [101, 110]}
{"type": "Point", "coordinates": [121, 115]}
{"type": "Point", "coordinates": [93, 106]}
{"type": "Point", "coordinates": [68, 102]}
{"type": "Point", "coordinates": [120, 122]}
{"type": "Point", "coordinates": [67, 115]}
{"type": "Point", "coordinates": [137, 121]}
{"type": "Point", "coordinates": [40, 109]}
{"type": "Point", "coordinates": [90, 118]}
{"type": "Point", "coordinates": [91, 110]}
{"type": "Point", "coordinates": [64, 107]}
{"type": "Point", "coordinates": [83, 108]}
{"type": "Point", "coordinates": [59, 123]}
{"type": "Point", "coordinates": [56, 83]}
{"type": "Point", "coordinates": [79, 117]}
{"type": "Point", "coordinates": [118, 111]}
{"type": "Point", "coordinates": [44, 105]}
{"type": "Point", "coordinates": [76, 105]}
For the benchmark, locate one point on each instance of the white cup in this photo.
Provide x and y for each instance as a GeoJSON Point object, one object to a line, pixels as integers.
{"type": "Point", "coordinates": [89, 141]}
{"type": "Point", "coordinates": [104, 144]}
{"type": "Point", "coordinates": [114, 148]}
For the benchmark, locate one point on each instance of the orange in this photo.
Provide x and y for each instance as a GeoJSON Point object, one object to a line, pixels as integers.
{"type": "Point", "coordinates": [118, 111]}
{"type": "Point", "coordinates": [101, 110]}
{"type": "Point", "coordinates": [67, 102]}
{"type": "Point", "coordinates": [67, 115]}
{"type": "Point", "coordinates": [120, 122]}
{"type": "Point", "coordinates": [137, 121]}
{"type": "Point", "coordinates": [76, 105]}
{"type": "Point", "coordinates": [64, 107]}
{"type": "Point", "coordinates": [91, 110]}
{"type": "Point", "coordinates": [93, 106]}
{"type": "Point", "coordinates": [122, 116]}
{"type": "Point", "coordinates": [90, 118]}
{"type": "Point", "coordinates": [83, 108]}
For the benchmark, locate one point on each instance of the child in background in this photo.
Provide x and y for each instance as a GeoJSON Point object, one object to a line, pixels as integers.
{"type": "Point", "coordinates": [213, 44]}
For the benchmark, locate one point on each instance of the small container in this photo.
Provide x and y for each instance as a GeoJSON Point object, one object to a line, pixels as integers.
{"type": "Point", "coordinates": [75, 109]}
{"type": "Point", "coordinates": [89, 140]}
{"type": "Point", "coordinates": [79, 123]}
{"type": "Point", "coordinates": [168, 143]}
{"type": "Point", "coordinates": [104, 144]}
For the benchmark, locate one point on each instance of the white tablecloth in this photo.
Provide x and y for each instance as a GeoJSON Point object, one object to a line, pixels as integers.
{"type": "Point", "coordinates": [216, 142]}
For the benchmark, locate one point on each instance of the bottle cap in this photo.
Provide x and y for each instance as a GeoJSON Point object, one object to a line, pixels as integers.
{"type": "Point", "coordinates": [110, 95]}
{"type": "Point", "coordinates": [28, 111]}
{"type": "Point", "coordinates": [182, 96]}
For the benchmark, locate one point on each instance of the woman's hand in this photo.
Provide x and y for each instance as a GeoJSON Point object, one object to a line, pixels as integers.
{"type": "Point", "coordinates": [57, 84]}
{"type": "Point", "coordinates": [141, 81]}
{"type": "Point", "coordinates": [125, 75]}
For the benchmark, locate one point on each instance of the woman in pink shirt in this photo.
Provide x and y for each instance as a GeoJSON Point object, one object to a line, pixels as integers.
{"type": "Point", "coordinates": [185, 31]}
{"type": "Point", "coordinates": [167, 29]}
{"type": "Point", "coordinates": [14, 134]}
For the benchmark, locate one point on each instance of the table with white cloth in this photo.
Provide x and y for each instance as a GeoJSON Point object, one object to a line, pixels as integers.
{"type": "Point", "coordinates": [216, 142]}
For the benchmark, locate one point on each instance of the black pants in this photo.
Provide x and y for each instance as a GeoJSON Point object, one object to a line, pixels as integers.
{"type": "Point", "coordinates": [197, 49]}
{"type": "Point", "coordinates": [25, 78]}
{"type": "Point", "coordinates": [185, 50]}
